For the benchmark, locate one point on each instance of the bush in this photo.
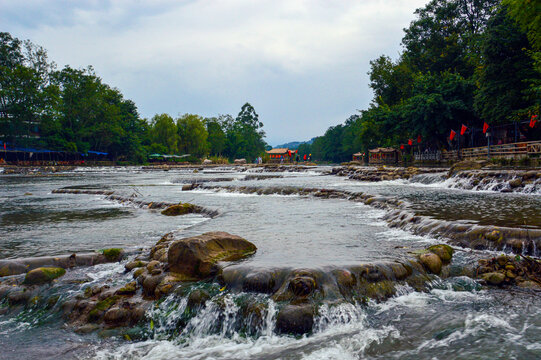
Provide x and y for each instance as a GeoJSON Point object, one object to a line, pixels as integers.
{"type": "Point", "coordinates": [219, 160]}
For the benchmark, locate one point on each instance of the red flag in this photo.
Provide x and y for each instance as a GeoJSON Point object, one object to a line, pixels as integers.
{"type": "Point", "coordinates": [463, 129]}
{"type": "Point", "coordinates": [452, 135]}
{"type": "Point", "coordinates": [419, 139]}
{"type": "Point", "coordinates": [401, 147]}
{"type": "Point", "coordinates": [410, 142]}
{"type": "Point", "coordinates": [485, 128]}
{"type": "Point", "coordinates": [532, 123]}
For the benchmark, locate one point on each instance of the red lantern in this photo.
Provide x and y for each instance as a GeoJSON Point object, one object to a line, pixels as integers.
{"type": "Point", "coordinates": [401, 147]}
{"type": "Point", "coordinates": [419, 139]}
{"type": "Point", "coordinates": [410, 142]}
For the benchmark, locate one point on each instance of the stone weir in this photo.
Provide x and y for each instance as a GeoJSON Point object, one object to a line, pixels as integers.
{"type": "Point", "coordinates": [364, 173]}
{"type": "Point", "coordinates": [467, 175]}
{"type": "Point", "coordinates": [517, 240]}
{"type": "Point", "coordinates": [200, 272]}
{"type": "Point", "coordinates": [169, 209]}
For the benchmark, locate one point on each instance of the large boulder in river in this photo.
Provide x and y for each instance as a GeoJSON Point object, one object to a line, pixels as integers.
{"type": "Point", "coordinates": [431, 262]}
{"type": "Point", "coordinates": [196, 257]}
{"type": "Point", "coordinates": [43, 275]}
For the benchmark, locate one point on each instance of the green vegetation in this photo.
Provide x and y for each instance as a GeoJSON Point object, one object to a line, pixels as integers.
{"type": "Point", "coordinates": [113, 254]}
{"type": "Point", "coordinates": [73, 110]}
{"type": "Point", "coordinates": [463, 62]}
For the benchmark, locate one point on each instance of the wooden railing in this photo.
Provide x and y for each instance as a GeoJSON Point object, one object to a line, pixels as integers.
{"type": "Point", "coordinates": [514, 149]}
{"type": "Point", "coordinates": [449, 155]}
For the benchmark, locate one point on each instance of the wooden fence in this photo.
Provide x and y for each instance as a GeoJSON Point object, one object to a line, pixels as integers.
{"type": "Point", "coordinates": [504, 150]}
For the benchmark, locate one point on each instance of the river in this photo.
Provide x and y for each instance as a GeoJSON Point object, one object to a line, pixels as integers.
{"type": "Point", "coordinates": [456, 318]}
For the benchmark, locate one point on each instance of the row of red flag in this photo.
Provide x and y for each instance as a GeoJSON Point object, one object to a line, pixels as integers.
{"type": "Point", "coordinates": [463, 129]}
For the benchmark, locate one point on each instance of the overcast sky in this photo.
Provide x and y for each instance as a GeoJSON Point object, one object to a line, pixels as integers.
{"type": "Point", "coordinates": [301, 64]}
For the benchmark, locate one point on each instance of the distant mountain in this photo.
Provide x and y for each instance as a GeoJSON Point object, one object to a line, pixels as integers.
{"type": "Point", "coordinates": [294, 144]}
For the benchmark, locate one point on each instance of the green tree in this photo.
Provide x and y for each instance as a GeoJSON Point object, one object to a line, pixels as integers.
{"type": "Point", "coordinates": [390, 82]}
{"type": "Point", "coordinates": [24, 82]}
{"type": "Point", "coordinates": [217, 138]}
{"type": "Point", "coordinates": [164, 132]}
{"type": "Point", "coordinates": [505, 73]}
{"type": "Point", "coordinates": [192, 135]}
{"type": "Point", "coordinates": [446, 34]}
{"type": "Point", "coordinates": [245, 134]}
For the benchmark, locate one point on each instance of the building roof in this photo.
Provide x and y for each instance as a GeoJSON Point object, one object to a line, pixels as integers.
{"type": "Point", "coordinates": [278, 151]}
{"type": "Point", "coordinates": [357, 154]}
{"type": "Point", "coordinates": [382, 150]}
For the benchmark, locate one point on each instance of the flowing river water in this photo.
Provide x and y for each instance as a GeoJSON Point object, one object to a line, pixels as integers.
{"type": "Point", "coordinates": [457, 318]}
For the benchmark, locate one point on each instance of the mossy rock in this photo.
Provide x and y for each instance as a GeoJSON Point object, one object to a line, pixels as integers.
{"type": "Point", "coordinates": [431, 262]}
{"type": "Point", "coordinates": [445, 252]}
{"type": "Point", "coordinates": [113, 254]}
{"type": "Point", "coordinates": [43, 275]}
{"type": "Point", "coordinates": [101, 307]}
{"type": "Point", "coordinates": [494, 235]}
{"type": "Point", "coordinates": [179, 209]}
{"type": "Point", "coordinates": [494, 278]}
{"type": "Point", "coordinates": [196, 257]}
{"type": "Point", "coordinates": [128, 289]}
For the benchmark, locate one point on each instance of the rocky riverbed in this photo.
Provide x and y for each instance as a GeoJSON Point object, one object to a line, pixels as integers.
{"type": "Point", "coordinates": [262, 264]}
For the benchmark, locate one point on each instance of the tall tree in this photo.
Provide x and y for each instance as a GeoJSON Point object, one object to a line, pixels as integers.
{"type": "Point", "coordinates": [445, 33]}
{"type": "Point", "coordinates": [24, 70]}
{"type": "Point", "coordinates": [245, 134]}
{"type": "Point", "coordinates": [216, 136]}
{"type": "Point", "coordinates": [506, 69]}
{"type": "Point", "coordinates": [192, 135]}
{"type": "Point", "coordinates": [164, 133]}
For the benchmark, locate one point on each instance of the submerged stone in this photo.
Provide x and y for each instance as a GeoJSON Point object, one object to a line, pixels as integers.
{"type": "Point", "coordinates": [295, 319]}
{"type": "Point", "coordinates": [9, 267]}
{"type": "Point", "coordinates": [179, 209]}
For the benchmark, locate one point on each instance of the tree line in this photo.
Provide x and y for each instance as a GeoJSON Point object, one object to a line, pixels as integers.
{"type": "Point", "coordinates": [463, 62]}
{"type": "Point", "coordinates": [73, 110]}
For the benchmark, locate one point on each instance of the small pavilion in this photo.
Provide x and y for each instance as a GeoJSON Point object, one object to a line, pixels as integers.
{"type": "Point", "coordinates": [358, 156]}
{"type": "Point", "coordinates": [383, 156]}
{"type": "Point", "coordinates": [281, 155]}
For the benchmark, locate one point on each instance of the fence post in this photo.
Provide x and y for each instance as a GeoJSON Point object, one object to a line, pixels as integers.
{"type": "Point", "coordinates": [488, 145]}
